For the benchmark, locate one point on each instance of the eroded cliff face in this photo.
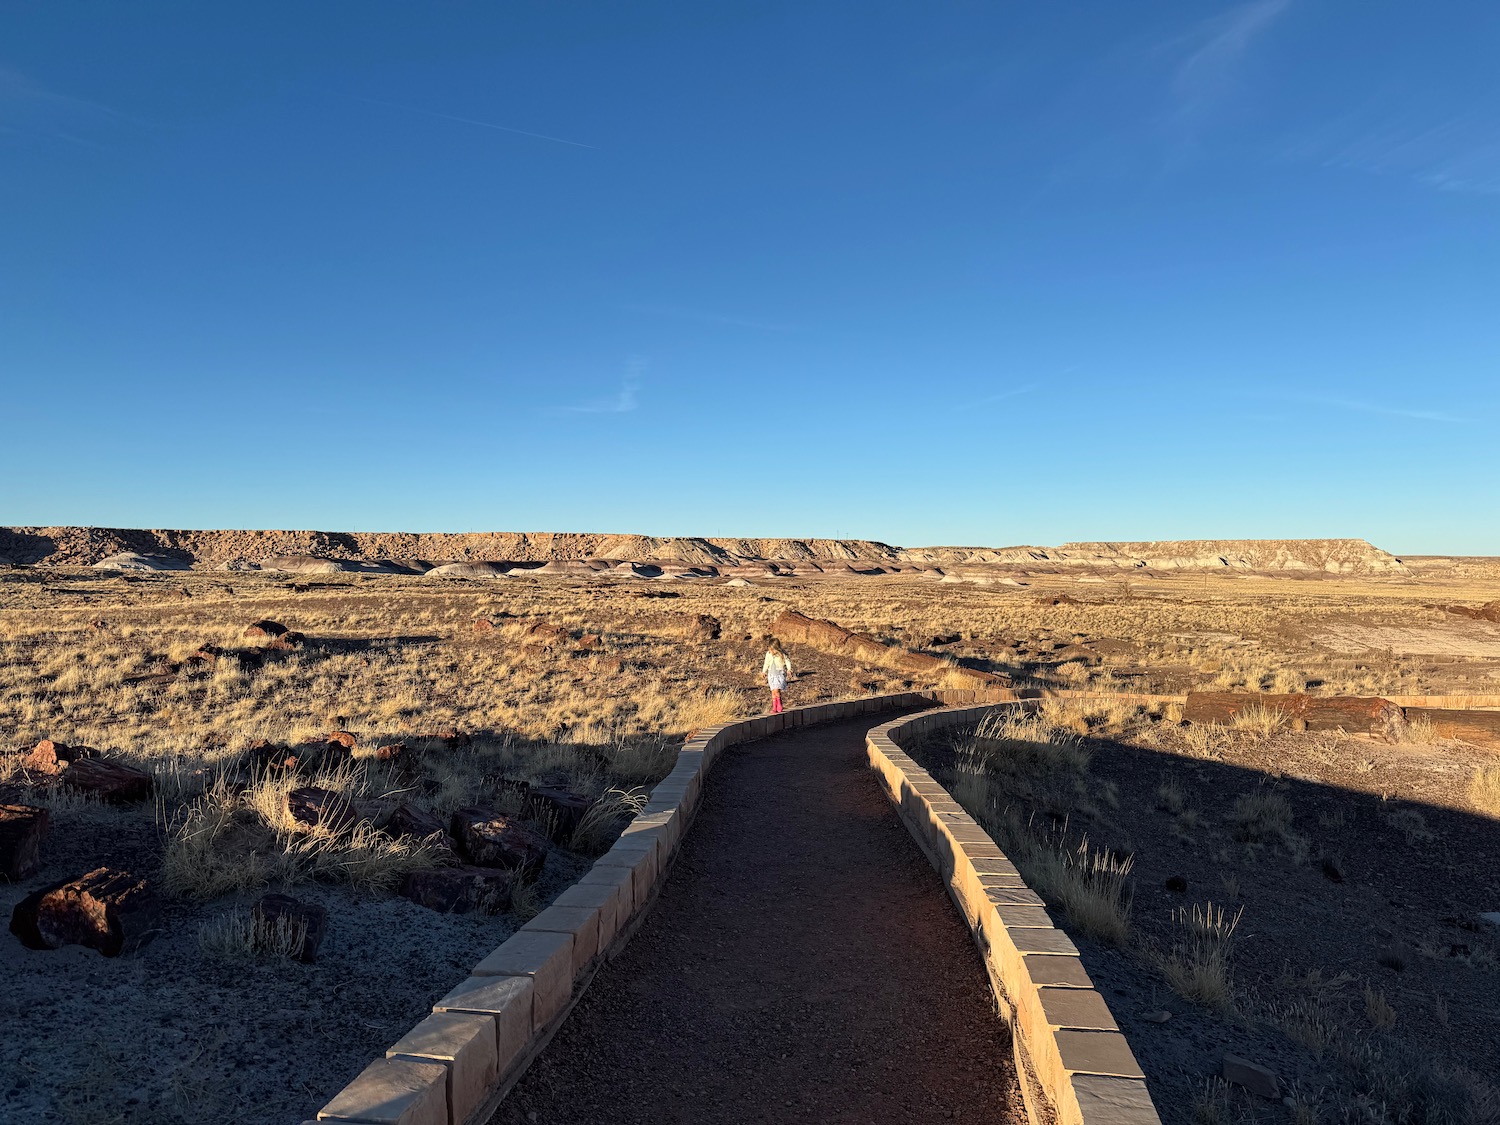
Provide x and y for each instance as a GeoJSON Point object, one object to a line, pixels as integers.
{"type": "Point", "coordinates": [84, 546]}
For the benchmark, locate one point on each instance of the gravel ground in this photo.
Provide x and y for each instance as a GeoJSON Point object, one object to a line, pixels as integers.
{"type": "Point", "coordinates": [171, 1034]}
{"type": "Point", "coordinates": [802, 963]}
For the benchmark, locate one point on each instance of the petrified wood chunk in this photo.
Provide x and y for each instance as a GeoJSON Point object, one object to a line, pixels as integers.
{"type": "Point", "coordinates": [265, 628]}
{"type": "Point", "coordinates": [321, 808]}
{"type": "Point", "coordinates": [21, 830]}
{"type": "Point", "coordinates": [458, 890]}
{"type": "Point", "coordinates": [112, 911]}
{"type": "Point", "coordinates": [560, 809]}
{"type": "Point", "coordinates": [282, 922]}
{"type": "Point", "coordinates": [491, 839]}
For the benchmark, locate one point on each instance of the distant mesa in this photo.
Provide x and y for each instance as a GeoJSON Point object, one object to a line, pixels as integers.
{"type": "Point", "coordinates": [678, 558]}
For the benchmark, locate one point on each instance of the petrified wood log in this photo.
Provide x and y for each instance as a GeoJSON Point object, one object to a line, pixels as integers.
{"type": "Point", "coordinates": [21, 830]}
{"type": "Point", "coordinates": [1366, 714]}
{"type": "Point", "coordinates": [1479, 728]}
{"type": "Point", "coordinates": [112, 911]}
{"type": "Point", "coordinates": [108, 780]}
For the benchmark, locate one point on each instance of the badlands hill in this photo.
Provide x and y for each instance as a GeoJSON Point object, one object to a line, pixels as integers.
{"type": "Point", "coordinates": [87, 546]}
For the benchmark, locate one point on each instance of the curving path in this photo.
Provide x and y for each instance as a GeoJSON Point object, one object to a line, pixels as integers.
{"type": "Point", "coordinates": [802, 963]}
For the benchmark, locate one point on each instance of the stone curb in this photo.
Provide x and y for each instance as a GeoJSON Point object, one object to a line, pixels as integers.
{"type": "Point", "coordinates": [442, 1071]}
{"type": "Point", "coordinates": [1066, 1041]}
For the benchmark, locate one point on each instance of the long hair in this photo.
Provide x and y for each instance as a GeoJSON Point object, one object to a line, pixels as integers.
{"type": "Point", "coordinates": [775, 646]}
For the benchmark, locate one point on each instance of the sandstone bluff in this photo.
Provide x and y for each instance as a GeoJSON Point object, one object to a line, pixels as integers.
{"type": "Point", "coordinates": [395, 552]}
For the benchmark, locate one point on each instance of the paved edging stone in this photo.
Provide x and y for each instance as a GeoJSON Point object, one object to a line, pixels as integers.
{"type": "Point", "coordinates": [1065, 1037]}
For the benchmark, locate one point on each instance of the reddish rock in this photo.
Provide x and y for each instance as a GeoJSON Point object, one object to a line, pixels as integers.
{"type": "Point", "coordinates": [702, 628]}
{"type": "Point", "coordinates": [209, 656]}
{"type": "Point", "coordinates": [321, 808]}
{"type": "Point", "coordinates": [1366, 715]}
{"type": "Point", "coordinates": [98, 625]}
{"type": "Point", "coordinates": [21, 830]}
{"type": "Point", "coordinates": [1057, 599]}
{"type": "Point", "coordinates": [108, 780]}
{"type": "Point", "coordinates": [455, 739]}
{"type": "Point", "coordinates": [483, 625]}
{"type": "Point", "coordinates": [344, 739]}
{"type": "Point", "coordinates": [287, 641]}
{"type": "Point", "coordinates": [266, 628]}
{"type": "Point", "coordinates": [491, 839]}
{"type": "Point", "coordinates": [589, 642]}
{"type": "Point", "coordinates": [51, 758]}
{"type": "Point", "coordinates": [458, 890]}
{"type": "Point", "coordinates": [282, 922]}
{"type": "Point", "coordinates": [559, 809]}
{"type": "Point", "coordinates": [111, 911]}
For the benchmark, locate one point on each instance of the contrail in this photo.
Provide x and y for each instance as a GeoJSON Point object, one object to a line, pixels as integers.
{"type": "Point", "coordinates": [468, 121]}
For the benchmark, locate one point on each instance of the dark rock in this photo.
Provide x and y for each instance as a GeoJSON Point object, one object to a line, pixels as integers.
{"type": "Point", "coordinates": [108, 780]}
{"type": "Point", "coordinates": [266, 628]}
{"type": "Point", "coordinates": [283, 922]}
{"type": "Point", "coordinates": [321, 808]}
{"type": "Point", "coordinates": [1259, 1080]}
{"type": "Point", "coordinates": [1331, 870]}
{"type": "Point", "coordinates": [1177, 883]}
{"type": "Point", "coordinates": [455, 739]}
{"type": "Point", "coordinates": [491, 839]}
{"type": "Point", "coordinates": [21, 830]}
{"type": "Point", "coordinates": [559, 809]}
{"type": "Point", "coordinates": [272, 758]}
{"type": "Point", "coordinates": [111, 911]}
{"type": "Point", "coordinates": [458, 890]}
{"type": "Point", "coordinates": [410, 820]}
{"type": "Point", "coordinates": [287, 642]}
{"type": "Point", "coordinates": [703, 628]}
{"type": "Point", "coordinates": [945, 639]}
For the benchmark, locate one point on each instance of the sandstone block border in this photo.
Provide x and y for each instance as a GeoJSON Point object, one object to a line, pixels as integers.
{"type": "Point", "coordinates": [1074, 1065]}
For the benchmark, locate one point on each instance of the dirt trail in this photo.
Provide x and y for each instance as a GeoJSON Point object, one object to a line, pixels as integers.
{"type": "Point", "coordinates": [801, 964]}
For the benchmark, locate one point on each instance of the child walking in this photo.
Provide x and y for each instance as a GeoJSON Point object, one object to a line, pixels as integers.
{"type": "Point", "coordinates": [778, 668]}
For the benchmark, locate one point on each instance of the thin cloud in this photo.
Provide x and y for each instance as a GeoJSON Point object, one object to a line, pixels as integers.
{"type": "Point", "coordinates": [625, 400]}
{"type": "Point", "coordinates": [1212, 69]}
{"type": "Point", "coordinates": [1360, 406]}
{"type": "Point", "coordinates": [467, 121]}
{"type": "Point", "coordinates": [1459, 154]}
{"type": "Point", "coordinates": [710, 317]}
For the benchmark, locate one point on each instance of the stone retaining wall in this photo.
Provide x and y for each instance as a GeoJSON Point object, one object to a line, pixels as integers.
{"type": "Point", "coordinates": [455, 1066]}
{"type": "Point", "coordinates": [1069, 1050]}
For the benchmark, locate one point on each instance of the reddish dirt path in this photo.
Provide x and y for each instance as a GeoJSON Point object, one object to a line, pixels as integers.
{"type": "Point", "coordinates": [802, 963]}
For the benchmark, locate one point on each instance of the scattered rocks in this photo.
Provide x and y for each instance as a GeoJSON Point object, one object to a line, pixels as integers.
{"type": "Point", "coordinates": [321, 808]}
{"type": "Point", "coordinates": [298, 928]}
{"type": "Point", "coordinates": [272, 758]}
{"type": "Point", "coordinates": [491, 839]}
{"type": "Point", "coordinates": [21, 830]}
{"type": "Point", "coordinates": [112, 911]}
{"type": "Point", "coordinates": [458, 890]}
{"type": "Point", "coordinates": [266, 628]}
{"type": "Point", "coordinates": [1259, 1080]}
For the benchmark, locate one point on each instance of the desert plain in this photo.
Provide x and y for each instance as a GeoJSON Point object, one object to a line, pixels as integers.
{"type": "Point", "coordinates": [345, 720]}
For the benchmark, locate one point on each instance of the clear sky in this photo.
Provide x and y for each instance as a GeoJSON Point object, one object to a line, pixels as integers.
{"type": "Point", "coordinates": [979, 273]}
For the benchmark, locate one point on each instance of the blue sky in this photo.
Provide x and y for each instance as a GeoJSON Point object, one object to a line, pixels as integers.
{"type": "Point", "coordinates": [981, 273]}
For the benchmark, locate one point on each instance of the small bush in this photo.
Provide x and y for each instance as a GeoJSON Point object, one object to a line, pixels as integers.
{"type": "Point", "coordinates": [1198, 966]}
{"type": "Point", "coordinates": [1263, 817]}
{"type": "Point", "coordinates": [1259, 719]}
{"type": "Point", "coordinates": [1484, 790]}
